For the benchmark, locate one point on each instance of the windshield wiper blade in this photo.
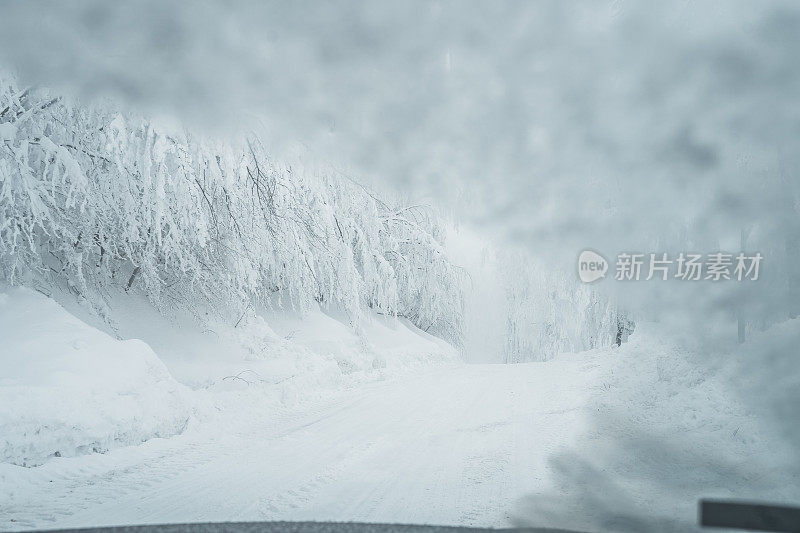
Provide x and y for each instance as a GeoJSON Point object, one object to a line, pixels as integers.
{"type": "Point", "coordinates": [747, 515]}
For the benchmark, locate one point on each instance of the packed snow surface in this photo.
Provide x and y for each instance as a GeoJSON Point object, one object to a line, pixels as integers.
{"type": "Point", "coordinates": [619, 439]}
{"type": "Point", "coordinates": [453, 446]}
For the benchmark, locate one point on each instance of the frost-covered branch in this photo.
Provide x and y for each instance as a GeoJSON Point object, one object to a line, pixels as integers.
{"type": "Point", "coordinates": [102, 200]}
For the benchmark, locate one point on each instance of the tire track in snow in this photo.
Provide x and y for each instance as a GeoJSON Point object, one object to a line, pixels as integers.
{"type": "Point", "coordinates": [457, 446]}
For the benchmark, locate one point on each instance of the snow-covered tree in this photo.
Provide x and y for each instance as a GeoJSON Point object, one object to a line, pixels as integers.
{"type": "Point", "coordinates": [100, 200]}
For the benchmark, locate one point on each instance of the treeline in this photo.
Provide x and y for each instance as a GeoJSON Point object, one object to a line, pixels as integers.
{"type": "Point", "coordinates": [101, 201]}
{"type": "Point", "coordinates": [549, 312]}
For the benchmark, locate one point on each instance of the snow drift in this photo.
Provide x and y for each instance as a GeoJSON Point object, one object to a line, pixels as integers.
{"type": "Point", "coordinates": [669, 423]}
{"type": "Point", "coordinates": [67, 388]}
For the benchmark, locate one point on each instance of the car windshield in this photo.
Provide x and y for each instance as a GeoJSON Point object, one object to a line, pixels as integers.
{"type": "Point", "coordinates": [491, 264]}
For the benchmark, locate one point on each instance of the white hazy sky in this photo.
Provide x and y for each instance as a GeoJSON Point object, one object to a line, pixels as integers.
{"type": "Point", "coordinates": [613, 125]}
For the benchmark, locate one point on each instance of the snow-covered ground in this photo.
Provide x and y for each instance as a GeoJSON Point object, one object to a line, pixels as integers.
{"type": "Point", "coordinates": [67, 388]}
{"type": "Point", "coordinates": [453, 446]}
{"type": "Point", "coordinates": [620, 439]}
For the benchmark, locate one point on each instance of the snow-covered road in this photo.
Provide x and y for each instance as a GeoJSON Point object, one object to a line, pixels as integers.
{"type": "Point", "coordinates": [456, 446]}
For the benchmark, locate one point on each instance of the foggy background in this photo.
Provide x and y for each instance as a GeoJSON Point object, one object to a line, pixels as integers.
{"type": "Point", "coordinates": [620, 126]}
{"type": "Point", "coordinates": [555, 126]}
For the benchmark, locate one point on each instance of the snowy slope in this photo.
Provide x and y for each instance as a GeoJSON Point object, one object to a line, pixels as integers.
{"type": "Point", "coordinates": [670, 423]}
{"type": "Point", "coordinates": [67, 388]}
{"type": "Point", "coordinates": [622, 439]}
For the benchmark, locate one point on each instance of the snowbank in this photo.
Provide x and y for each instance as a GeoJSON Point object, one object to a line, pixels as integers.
{"type": "Point", "coordinates": [380, 342]}
{"type": "Point", "coordinates": [67, 388]}
{"type": "Point", "coordinates": [670, 423]}
{"type": "Point", "coordinates": [287, 351]}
